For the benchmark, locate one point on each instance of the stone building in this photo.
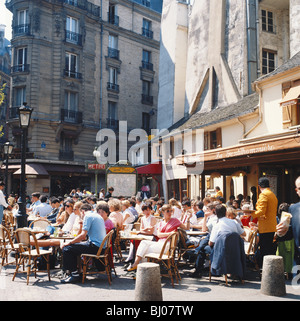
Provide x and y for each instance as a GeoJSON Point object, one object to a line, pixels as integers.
{"type": "Point", "coordinates": [208, 74]}
{"type": "Point", "coordinates": [82, 66]}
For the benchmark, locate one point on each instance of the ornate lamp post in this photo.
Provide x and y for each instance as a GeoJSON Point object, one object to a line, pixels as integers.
{"type": "Point", "coordinates": [8, 147]}
{"type": "Point", "coordinates": [24, 118]}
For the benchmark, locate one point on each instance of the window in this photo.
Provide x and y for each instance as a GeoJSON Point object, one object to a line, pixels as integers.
{"type": "Point", "coordinates": [20, 60]}
{"type": "Point", "coordinates": [22, 22]}
{"type": "Point", "coordinates": [71, 100]}
{"type": "Point", "coordinates": [146, 94]}
{"type": "Point", "coordinates": [20, 96]}
{"type": "Point", "coordinates": [268, 61]}
{"type": "Point", "coordinates": [66, 152]}
{"type": "Point", "coordinates": [112, 120]}
{"type": "Point", "coordinates": [71, 66]}
{"type": "Point", "coordinates": [113, 51]}
{"type": "Point", "coordinates": [213, 139]}
{"type": "Point", "coordinates": [147, 29]}
{"type": "Point", "coordinates": [267, 21]}
{"type": "Point", "coordinates": [72, 31]}
{"type": "Point", "coordinates": [146, 62]}
{"type": "Point", "coordinates": [112, 14]}
{"type": "Point", "coordinates": [113, 79]}
{"type": "Point", "coordinates": [146, 122]}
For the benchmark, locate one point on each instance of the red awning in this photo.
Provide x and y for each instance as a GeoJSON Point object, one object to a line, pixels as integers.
{"type": "Point", "coordinates": [151, 169]}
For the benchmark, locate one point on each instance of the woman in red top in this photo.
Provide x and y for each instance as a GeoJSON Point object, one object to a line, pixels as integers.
{"type": "Point", "coordinates": [164, 229]}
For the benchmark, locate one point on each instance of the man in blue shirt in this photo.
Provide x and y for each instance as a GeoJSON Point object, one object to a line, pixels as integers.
{"type": "Point", "coordinates": [94, 228]}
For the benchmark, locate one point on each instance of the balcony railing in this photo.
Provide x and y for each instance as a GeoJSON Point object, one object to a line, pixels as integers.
{"type": "Point", "coordinates": [71, 116]}
{"type": "Point", "coordinates": [113, 87]}
{"type": "Point", "coordinates": [113, 19]}
{"type": "Point", "coordinates": [112, 123]}
{"type": "Point", "coordinates": [20, 30]}
{"type": "Point", "coordinates": [13, 112]}
{"type": "Point", "coordinates": [147, 99]}
{"type": "Point", "coordinates": [74, 37]}
{"type": "Point", "coordinates": [72, 74]}
{"type": "Point", "coordinates": [147, 33]}
{"type": "Point", "coordinates": [84, 5]}
{"type": "Point", "coordinates": [20, 68]}
{"type": "Point", "coordinates": [66, 155]}
{"type": "Point", "coordinates": [147, 65]}
{"type": "Point", "coordinates": [113, 53]}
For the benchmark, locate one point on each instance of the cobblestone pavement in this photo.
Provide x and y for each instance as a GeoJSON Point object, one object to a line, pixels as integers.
{"type": "Point", "coordinates": [96, 288]}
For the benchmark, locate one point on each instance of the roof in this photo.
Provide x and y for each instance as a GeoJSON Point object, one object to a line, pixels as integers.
{"type": "Point", "coordinates": [244, 106]}
{"type": "Point", "coordinates": [292, 63]}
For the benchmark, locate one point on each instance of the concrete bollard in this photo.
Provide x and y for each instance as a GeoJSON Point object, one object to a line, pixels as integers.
{"type": "Point", "coordinates": [148, 283]}
{"type": "Point", "coordinates": [273, 281]}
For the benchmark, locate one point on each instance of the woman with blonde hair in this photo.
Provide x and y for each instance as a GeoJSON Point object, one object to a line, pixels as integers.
{"type": "Point", "coordinates": [115, 212]}
{"type": "Point", "coordinates": [164, 229]}
{"type": "Point", "coordinates": [177, 211]}
{"type": "Point", "coordinates": [128, 217]}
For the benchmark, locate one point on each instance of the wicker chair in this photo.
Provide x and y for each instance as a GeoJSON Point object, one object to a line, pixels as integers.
{"type": "Point", "coordinates": [7, 246]}
{"type": "Point", "coordinates": [25, 238]}
{"type": "Point", "coordinates": [167, 257]}
{"type": "Point", "coordinates": [39, 224]}
{"type": "Point", "coordinates": [103, 258]}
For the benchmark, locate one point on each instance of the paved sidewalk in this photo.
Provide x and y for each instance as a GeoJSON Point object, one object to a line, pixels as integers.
{"type": "Point", "coordinates": [123, 288]}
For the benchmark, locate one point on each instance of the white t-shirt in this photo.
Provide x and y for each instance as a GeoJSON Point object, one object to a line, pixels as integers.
{"type": "Point", "coordinates": [226, 225]}
{"type": "Point", "coordinates": [177, 212]}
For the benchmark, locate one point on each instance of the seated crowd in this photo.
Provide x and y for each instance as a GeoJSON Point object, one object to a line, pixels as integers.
{"type": "Point", "coordinates": [89, 219]}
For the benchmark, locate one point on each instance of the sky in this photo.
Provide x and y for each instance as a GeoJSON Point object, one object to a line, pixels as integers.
{"type": "Point", "coordinates": [5, 19]}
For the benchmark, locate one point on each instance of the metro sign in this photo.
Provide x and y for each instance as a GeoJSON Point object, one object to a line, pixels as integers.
{"type": "Point", "coordinates": [96, 166]}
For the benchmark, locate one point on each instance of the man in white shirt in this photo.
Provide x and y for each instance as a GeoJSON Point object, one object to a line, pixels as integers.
{"type": "Point", "coordinates": [44, 208]}
{"type": "Point", "coordinates": [224, 225]}
{"type": "Point", "coordinates": [35, 201]}
{"type": "Point", "coordinates": [3, 203]}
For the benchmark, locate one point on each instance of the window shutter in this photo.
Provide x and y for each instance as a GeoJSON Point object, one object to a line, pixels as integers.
{"type": "Point", "coordinates": [286, 116]}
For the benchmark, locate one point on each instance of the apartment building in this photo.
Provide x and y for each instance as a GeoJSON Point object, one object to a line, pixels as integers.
{"type": "Point", "coordinates": [82, 66]}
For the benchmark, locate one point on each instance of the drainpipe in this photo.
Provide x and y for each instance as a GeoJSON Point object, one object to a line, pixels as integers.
{"type": "Point", "coordinates": [260, 112]}
{"type": "Point", "coordinates": [257, 39]}
{"type": "Point", "coordinates": [101, 68]}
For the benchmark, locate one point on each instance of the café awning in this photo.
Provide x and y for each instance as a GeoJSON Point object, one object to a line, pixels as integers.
{"type": "Point", "coordinates": [151, 169]}
{"type": "Point", "coordinates": [291, 98]}
{"type": "Point", "coordinates": [33, 169]}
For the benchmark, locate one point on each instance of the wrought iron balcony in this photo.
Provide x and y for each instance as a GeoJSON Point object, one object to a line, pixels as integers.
{"type": "Point", "coordinates": [112, 124]}
{"type": "Point", "coordinates": [147, 65]}
{"type": "Point", "coordinates": [20, 68]}
{"type": "Point", "coordinates": [113, 87]}
{"type": "Point", "coordinates": [113, 53]}
{"type": "Point", "coordinates": [147, 33]}
{"type": "Point", "coordinates": [72, 74]}
{"type": "Point", "coordinates": [147, 99]}
{"type": "Point", "coordinates": [21, 30]}
{"type": "Point", "coordinates": [71, 116]}
{"type": "Point", "coordinates": [66, 155]}
{"type": "Point", "coordinates": [113, 19]}
{"type": "Point", "coordinates": [74, 37]}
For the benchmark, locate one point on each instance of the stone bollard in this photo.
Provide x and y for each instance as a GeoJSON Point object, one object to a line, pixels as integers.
{"type": "Point", "coordinates": [148, 283]}
{"type": "Point", "coordinates": [273, 281]}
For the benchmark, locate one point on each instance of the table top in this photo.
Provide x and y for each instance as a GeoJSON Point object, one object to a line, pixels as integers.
{"type": "Point", "coordinates": [195, 233]}
{"type": "Point", "coordinates": [63, 237]}
{"type": "Point", "coordinates": [136, 237]}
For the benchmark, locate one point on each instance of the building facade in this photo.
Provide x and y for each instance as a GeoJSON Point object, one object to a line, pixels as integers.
{"type": "Point", "coordinates": [71, 62]}
{"type": "Point", "coordinates": [228, 46]}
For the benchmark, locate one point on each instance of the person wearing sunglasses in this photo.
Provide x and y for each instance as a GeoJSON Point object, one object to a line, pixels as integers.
{"type": "Point", "coordinates": [168, 225]}
{"type": "Point", "coordinates": [71, 216]}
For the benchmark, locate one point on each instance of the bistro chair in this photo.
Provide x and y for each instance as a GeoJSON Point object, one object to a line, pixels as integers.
{"type": "Point", "coordinates": [117, 244]}
{"type": "Point", "coordinates": [9, 221]}
{"type": "Point", "coordinates": [7, 246]}
{"type": "Point", "coordinates": [30, 253]}
{"type": "Point", "coordinates": [39, 224]}
{"type": "Point", "coordinates": [166, 258]}
{"type": "Point", "coordinates": [251, 246]}
{"type": "Point", "coordinates": [182, 246]}
{"type": "Point", "coordinates": [103, 259]}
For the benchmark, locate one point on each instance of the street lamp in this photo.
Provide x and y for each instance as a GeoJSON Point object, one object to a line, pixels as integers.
{"type": "Point", "coordinates": [8, 147]}
{"type": "Point", "coordinates": [24, 118]}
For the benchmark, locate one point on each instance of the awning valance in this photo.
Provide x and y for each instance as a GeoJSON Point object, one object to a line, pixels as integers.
{"type": "Point", "coordinates": [291, 98]}
{"type": "Point", "coordinates": [151, 169]}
